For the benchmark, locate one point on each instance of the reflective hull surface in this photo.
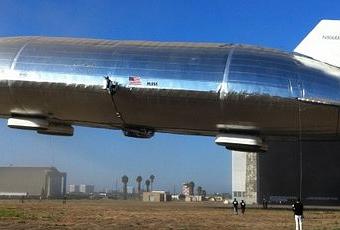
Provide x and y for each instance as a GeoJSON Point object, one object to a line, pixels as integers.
{"type": "Point", "coordinates": [188, 88]}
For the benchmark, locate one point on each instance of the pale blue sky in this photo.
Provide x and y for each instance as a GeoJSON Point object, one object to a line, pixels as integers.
{"type": "Point", "coordinates": [98, 156]}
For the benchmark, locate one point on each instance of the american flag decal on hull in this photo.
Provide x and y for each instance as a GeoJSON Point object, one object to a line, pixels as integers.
{"type": "Point", "coordinates": [135, 80]}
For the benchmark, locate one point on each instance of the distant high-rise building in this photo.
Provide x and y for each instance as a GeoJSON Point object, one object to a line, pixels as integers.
{"type": "Point", "coordinates": [73, 188]}
{"type": "Point", "coordinates": [187, 189]}
{"type": "Point", "coordinates": [86, 188]}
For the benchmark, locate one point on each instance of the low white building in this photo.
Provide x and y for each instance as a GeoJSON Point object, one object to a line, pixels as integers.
{"type": "Point", "coordinates": [193, 198]}
{"type": "Point", "coordinates": [130, 189]}
{"type": "Point", "coordinates": [156, 196]}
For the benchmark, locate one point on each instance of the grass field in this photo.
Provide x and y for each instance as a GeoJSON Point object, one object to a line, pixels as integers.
{"type": "Point", "coordinates": [108, 214]}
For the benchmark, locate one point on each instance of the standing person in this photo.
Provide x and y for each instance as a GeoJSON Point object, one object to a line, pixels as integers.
{"type": "Point", "coordinates": [264, 203]}
{"type": "Point", "coordinates": [235, 205]}
{"type": "Point", "coordinates": [243, 207]}
{"type": "Point", "coordinates": [298, 214]}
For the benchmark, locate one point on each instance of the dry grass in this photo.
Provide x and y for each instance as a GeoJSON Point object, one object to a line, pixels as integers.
{"type": "Point", "coordinates": [108, 214]}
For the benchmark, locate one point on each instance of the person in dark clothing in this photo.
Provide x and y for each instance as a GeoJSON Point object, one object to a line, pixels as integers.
{"type": "Point", "coordinates": [235, 205]}
{"type": "Point", "coordinates": [243, 207]}
{"type": "Point", "coordinates": [264, 203]}
{"type": "Point", "coordinates": [298, 214]}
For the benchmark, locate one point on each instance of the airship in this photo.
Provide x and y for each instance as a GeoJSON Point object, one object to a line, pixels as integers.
{"type": "Point", "coordinates": [243, 95]}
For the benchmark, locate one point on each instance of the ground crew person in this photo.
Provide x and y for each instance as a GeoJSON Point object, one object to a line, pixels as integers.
{"type": "Point", "coordinates": [235, 205]}
{"type": "Point", "coordinates": [298, 214]}
{"type": "Point", "coordinates": [264, 203]}
{"type": "Point", "coordinates": [243, 207]}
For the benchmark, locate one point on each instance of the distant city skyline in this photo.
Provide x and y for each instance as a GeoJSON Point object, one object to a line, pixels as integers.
{"type": "Point", "coordinates": [87, 161]}
{"type": "Point", "coordinates": [98, 156]}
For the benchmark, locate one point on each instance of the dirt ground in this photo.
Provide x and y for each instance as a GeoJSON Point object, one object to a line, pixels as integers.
{"type": "Point", "coordinates": [109, 214]}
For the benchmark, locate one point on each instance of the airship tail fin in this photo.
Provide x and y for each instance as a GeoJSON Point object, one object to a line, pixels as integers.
{"type": "Point", "coordinates": [323, 43]}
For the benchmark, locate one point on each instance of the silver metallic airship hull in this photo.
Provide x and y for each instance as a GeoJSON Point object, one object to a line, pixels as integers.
{"type": "Point", "coordinates": [188, 88]}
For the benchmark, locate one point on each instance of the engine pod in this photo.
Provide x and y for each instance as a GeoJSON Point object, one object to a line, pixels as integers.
{"type": "Point", "coordinates": [28, 123]}
{"type": "Point", "coordinates": [244, 143]}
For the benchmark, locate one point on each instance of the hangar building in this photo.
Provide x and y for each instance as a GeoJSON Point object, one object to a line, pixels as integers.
{"type": "Point", "coordinates": [275, 175]}
{"type": "Point", "coordinates": [32, 181]}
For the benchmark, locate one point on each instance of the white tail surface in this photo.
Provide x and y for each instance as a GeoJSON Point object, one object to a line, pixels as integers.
{"type": "Point", "coordinates": [323, 43]}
